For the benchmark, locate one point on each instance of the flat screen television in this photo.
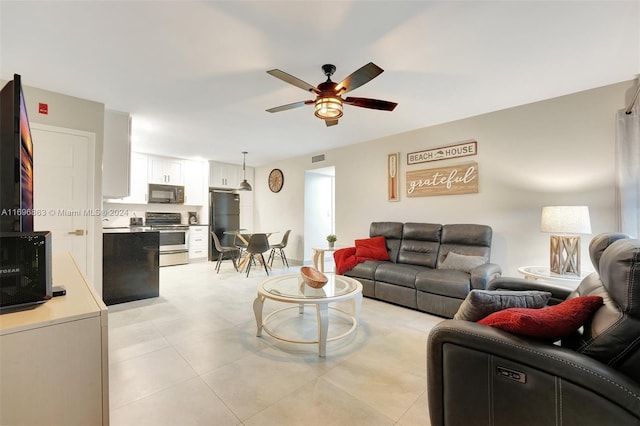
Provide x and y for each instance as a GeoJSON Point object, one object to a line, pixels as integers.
{"type": "Point", "coordinates": [16, 160]}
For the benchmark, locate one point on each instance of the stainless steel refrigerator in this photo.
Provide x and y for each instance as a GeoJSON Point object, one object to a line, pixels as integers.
{"type": "Point", "coordinates": [224, 208]}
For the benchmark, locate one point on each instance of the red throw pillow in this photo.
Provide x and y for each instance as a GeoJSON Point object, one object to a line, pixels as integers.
{"type": "Point", "coordinates": [374, 248]}
{"type": "Point", "coordinates": [345, 259]}
{"type": "Point", "coordinates": [552, 322]}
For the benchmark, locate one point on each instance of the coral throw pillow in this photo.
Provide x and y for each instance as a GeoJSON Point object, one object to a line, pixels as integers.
{"type": "Point", "coordinates": [550, 323]}
{"type": "Point", "coordinates": [345, 259]}
{"type": "Point", "coordinates": [374, 248]}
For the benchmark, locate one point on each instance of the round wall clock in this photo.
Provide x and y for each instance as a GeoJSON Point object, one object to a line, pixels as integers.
{"type": "Point", "coordinates": [276, 180]}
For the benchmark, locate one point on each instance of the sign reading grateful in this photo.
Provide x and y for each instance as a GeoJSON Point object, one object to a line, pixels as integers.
{"type": "Point", "coordinates": [452, 180]}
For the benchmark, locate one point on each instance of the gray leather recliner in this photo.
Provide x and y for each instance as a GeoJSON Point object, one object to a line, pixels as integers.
{"type": "Point", "coordinates": [479, 375]}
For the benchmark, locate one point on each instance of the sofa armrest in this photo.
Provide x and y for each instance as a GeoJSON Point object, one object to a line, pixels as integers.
{"type": "Point", "coordinates": [545, 380]}
{"type": "Point", "coordinates": [558, 294]}
{"type": "Point", "coordinates": [483, 274]}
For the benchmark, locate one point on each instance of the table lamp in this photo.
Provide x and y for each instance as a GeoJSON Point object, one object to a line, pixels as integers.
{"type": "Point", "coordinates": [565, 222]}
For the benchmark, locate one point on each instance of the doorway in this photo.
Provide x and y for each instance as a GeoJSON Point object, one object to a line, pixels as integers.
{"type": "Point", "coordinates": [63, 187]}
{"type": "Point", "coordinates": [319, 209]}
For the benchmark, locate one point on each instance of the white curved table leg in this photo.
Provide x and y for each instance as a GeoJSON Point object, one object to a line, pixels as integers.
{"type": "Point", "coordinates": [357, 304]}
{"type": "Point", "coordinates": [318, 259]}
{"type": "Point", "coordinates": [257, 311]}
{"type": "Point", "coordinates": [322, 310]}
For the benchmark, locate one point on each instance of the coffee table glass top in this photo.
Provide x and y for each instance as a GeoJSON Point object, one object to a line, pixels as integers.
{"type": "Point", "coordinates": [292, 286]}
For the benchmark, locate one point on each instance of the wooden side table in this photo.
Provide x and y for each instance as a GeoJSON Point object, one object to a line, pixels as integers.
{"type": "Point", "coordinates": [543, 273]}
{"type": "Point", "coordinates": [318, 256]}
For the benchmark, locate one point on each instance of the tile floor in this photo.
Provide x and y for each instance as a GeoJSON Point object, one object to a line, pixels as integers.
{"type": "Point", "coordinates": [191, 357]}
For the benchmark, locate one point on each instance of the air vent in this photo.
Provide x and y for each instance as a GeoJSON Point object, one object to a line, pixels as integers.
{"type": "Point", "coordinates": [317, 158]}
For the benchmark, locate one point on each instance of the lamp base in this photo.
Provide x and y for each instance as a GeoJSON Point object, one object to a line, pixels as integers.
{"type": "Point", "coordinates": [565, 254]}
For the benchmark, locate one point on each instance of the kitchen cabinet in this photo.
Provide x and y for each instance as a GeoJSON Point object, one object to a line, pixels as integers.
{"type": "Point", "coordinates": [223, 175]}
{"type": "Point", "coordinates": [195, 182]}
{"type": "Point", "coordinates": [198, 242]}
{"type": "Point", "coordinates": [116, 154]}
{"type": "Point", "coordinates": [130, 265]}
{"type": "Point", "coordinates": [138, 181]}
{"type": "Point", "coordinates": [164, 170]}
{"type": "Point", "coordinates": [54, 358]}
{"type": "Point", "coordinates": [138, 184]}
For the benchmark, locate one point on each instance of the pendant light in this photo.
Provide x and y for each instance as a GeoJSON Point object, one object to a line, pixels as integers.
{"type": "Point", "coordinates": [244, 185]}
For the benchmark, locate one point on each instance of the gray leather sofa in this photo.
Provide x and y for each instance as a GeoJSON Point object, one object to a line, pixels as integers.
{"type": "Point", "coordinates": [592, 378]}
{"type": "Point", "coordinates": [411, 276]}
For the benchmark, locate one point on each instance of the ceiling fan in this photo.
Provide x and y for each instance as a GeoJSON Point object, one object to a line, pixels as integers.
{"type": "Point", "coordinates": [328, 102]}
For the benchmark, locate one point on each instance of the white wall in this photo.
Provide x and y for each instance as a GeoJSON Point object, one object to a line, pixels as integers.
{"type": "Point", "coordinates": [553, 152]}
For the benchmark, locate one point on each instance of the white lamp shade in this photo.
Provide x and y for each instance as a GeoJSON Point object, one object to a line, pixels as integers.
{"type": "Point", "coordinates": [566, 220]}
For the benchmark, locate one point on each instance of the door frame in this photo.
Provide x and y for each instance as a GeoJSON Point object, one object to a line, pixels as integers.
{"type": "Point", "coordinates": [91, 195]}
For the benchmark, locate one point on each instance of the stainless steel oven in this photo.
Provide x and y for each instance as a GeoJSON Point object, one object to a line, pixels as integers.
{"type": "Point", "coordinates": [174, 237]}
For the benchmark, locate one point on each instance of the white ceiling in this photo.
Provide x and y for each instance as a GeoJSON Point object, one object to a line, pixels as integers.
{"type": "Point", "coordinates": [192, 73]}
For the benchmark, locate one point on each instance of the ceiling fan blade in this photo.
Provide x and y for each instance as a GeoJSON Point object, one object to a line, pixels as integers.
{"type": "Point", "coordinates": [289, 106]}
{"type": "Point", "coordinates": [359, 77]}
{"type": "Point", "coordinates": [330, 122]}
{"type": "Point", "coordinates": [288, 78]}
{"type": "Point", "coordinates": [371, 103]}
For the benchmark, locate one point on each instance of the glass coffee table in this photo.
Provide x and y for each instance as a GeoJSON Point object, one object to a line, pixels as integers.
{"type": "Point", "coordinates": [291, 289]}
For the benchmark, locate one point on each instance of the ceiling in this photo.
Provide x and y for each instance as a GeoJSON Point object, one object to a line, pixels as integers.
{"type": "Point", "coordinates": [193, 73]}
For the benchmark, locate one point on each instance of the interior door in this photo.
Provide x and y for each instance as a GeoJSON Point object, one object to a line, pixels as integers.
{"type": "Point", "coordinates": [61, 188]}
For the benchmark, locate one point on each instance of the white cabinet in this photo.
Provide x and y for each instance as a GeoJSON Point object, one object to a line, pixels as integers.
{"type": "Point", "coordinates": [198, 242]}
{"type": "Point", "coordinates": [54, 366]}
{"type": "Point", "coordinates": [146, 169]}
{"type": "Point", "coordinates": [116, 154]}
{"type": "Point", "coordinates": [165, 170]}
{"type": "Point", "coordinates": [138, 184]}
{"type": "Point", "coordinates": [223, 175]}
{"type": "Point", "coordinates": [195, 182]}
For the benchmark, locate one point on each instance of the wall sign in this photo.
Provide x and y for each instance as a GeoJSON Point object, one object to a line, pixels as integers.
{"type": "Point", "coordinates": [393, 177]}
{"type": "Point", "coordinates": [462, 149]}
{"type": "Point", "coordinates": [452, 180]}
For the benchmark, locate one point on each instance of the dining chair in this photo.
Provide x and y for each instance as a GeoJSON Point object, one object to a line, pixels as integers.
{"type": "Point", "coordinates": [222, 250]}
{"type": "Point", "coordinates": [258, 244]}
{"type": "Point", "coordinates": [240, 243]}
{"type": "Point", "coordinates": [278, 250]}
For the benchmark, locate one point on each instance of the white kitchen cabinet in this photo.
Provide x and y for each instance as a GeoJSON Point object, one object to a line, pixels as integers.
{"type": "Point", "coordinates": [164, 170]}
{"type": "Point", "coordinates": [138, 184]}
{"type": "Point", "coordinates": [223, 175]}
{"type": "Point", "coordinates": [54, 366]}
{"type": "Point", "coordinates": [198, 242]}
{"type": "Point", "coordinates": [116, 154]}
{"type": "Point", "coordinates": [195, 182]}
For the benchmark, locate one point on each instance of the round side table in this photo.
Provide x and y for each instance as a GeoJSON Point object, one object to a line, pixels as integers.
{"type": "Point", "coordinates": [543, 273]}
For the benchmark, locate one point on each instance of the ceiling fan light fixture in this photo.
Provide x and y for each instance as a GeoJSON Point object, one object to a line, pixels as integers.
{"type": "Point", "coordinates": [328, 107]}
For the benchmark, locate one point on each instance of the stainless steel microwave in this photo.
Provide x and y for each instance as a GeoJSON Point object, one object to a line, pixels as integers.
{"type": "Point", "coordinates": [166, 194]}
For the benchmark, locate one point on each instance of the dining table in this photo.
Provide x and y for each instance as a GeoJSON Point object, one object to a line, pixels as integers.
{"type": "Point", "coordinates": [244, 236]}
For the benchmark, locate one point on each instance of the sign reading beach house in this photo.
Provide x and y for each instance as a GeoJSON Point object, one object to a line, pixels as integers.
{"type": "Point", "coordinates": [462, 149]}
{"type": "Point", "coordinates": [452, 180]}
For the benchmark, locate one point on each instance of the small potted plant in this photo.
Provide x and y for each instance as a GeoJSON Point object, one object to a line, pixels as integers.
{"type": "Point", "coordinates": [331, 238]}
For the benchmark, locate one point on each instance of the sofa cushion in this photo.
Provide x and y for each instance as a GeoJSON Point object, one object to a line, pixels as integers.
{"type": "Point", "coordinates": [398, 274]}
{"type": "Point", "coordinates": [550, 323]}
{"type": "Point", "coordinates": [365, 270]}
{"type": "Point", "coordinates": [445, 282]}
{"type": "Point", "coordinates": [420, 244]}
{"type": "Point", "coordinates": [462, 262]}
{"type": "Point", "coordinates": [373, 248]}
{"type": "Point", "coordinates": [467, 239]}
{"type": "Point", "coordinates": [480, 303]}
